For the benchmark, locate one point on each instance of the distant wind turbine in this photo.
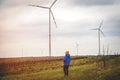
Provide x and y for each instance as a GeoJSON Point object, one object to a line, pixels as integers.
{"type": "Point", "coordinates": [99, 32]}
{"type": "Point", "coordinates": [50, 14]}
{"type": "Point", "coordinates": [103, 50]}
{"type": "Point", "coordinates": [22, 52]}
{"type": "Point", "coordinates": [108, 50]}
{"type": "Point", "coordinates": [104, 57]}
{"type": "Point", "coordinates": [77, 46]}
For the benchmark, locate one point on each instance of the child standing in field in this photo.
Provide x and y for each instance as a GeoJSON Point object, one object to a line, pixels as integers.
{"type": "Point", "coordinates": [66, 63]}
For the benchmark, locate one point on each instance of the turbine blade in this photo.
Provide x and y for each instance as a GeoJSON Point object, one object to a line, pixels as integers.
{"type": "Point", "coordinates": [101, 24]}
{"type": "Point", "coordinates": [102, 33]}
{"type": "Point", "coordinates": [53, 3]}
{"type": "Point", "coordinates": [94, 29]}
{"type": "Point", "coordinates": [53, 17]}
{"type": "Point", "coordinates": [39, 6]}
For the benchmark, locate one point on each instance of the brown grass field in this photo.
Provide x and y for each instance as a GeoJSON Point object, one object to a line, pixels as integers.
{"type": "Point", "coordinates": [50, 68]}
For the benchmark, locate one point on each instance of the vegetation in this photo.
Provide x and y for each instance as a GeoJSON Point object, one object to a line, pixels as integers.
{"type": "Point", "coordinates": [50, 68]}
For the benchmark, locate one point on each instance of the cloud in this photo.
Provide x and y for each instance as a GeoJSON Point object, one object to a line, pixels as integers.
{"type": "Point", "coordinates": [1, 1]}
{"type": "Point", "coordinates": [13, 3]}
{"type": "Point", "coordinates": [27, 27]}
{"type": "Point", "coordinates": [93, 2]}
{"type": "Point", "coordinates": [112, 26]}
{"type": "Point", "coordinates": [19, 26]}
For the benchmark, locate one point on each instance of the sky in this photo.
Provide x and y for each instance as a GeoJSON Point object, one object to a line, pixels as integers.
{"type": "Point", "coordinates": [24, 29]}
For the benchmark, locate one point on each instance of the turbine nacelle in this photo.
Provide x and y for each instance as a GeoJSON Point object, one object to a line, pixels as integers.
{"type": "Point", "coordinates": [99, 29]}
{"type": "Point", "coordinates": [44, 6]}
{"type": "Point", "coordinates": [51, 13]}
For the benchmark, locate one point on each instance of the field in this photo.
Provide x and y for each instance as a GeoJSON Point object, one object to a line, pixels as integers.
{"type": "Point", "coordinates": [51, 68]}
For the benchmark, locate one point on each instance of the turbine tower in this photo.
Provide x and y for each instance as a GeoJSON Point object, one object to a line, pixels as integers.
{"type": "Point", "coordinates": [50, 14]}
{"type": "Point", "coordinates": [77, 46]}
{"type": "Point", "coordinates": [22, 52]}
{"type": "Point", "coordinates": [99, 34]}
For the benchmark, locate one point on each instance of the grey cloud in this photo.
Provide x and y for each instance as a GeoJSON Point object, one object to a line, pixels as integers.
{"type": "Point", "coordinates": [92, 2]}
{"type": "Point", "coordinates": [110, 28]}
{"type": "Point", "coordinates": [113, 25]}
{"type": "Point", "coordinates": [13, 3]}
{"type": "Point", "coordinates": [1, 1]}
{"type": "Point", "coordinates": [71, 34]}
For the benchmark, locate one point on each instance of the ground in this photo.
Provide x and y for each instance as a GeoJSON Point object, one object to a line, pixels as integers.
{"type": "Point", "coordinates": [81, 68]}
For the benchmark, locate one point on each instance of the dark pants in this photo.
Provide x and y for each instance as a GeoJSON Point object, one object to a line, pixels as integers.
{"type": "Point", "coordinates": [65, 68]}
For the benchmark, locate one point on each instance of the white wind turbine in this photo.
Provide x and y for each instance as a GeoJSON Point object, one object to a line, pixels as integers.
{"type": "Point", "coordinates": [77, 48]}
{"type": "Point", "coordinates": [50, 14]}
{"type": "Point", "coordinates": [99, 40]}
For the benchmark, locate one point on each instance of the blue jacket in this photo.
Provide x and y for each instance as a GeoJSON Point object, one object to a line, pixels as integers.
{"type": "Point", "coordinates": [67, 59]}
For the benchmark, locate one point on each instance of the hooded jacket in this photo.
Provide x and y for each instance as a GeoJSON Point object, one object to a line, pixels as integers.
{"type": "Point", "coordinates": [67, 59]}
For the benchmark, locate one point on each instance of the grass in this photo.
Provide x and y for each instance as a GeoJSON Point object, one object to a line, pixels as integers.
{"type": "Point", "coordinates": [56, 74]}
{"type": "Point", "coordinates": [80, 69]}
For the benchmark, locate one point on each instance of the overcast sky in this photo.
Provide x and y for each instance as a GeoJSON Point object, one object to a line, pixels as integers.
{"type": "Point", "coordinates": [24, 29]}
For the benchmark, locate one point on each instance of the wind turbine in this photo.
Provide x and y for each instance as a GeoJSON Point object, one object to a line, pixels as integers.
{"type": "Point", "coordinates": [108, 50]}
{"type": "Point", "coordinates": [99, 34]}
{"type": "Point", "coordinates": [104, 57]}
{"type": "Point", "coordinates": [77, 45]}
{"type": "Point", "coordinates": [22, 52]}
{"type": "Point", "coordinates": [50, 14]}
